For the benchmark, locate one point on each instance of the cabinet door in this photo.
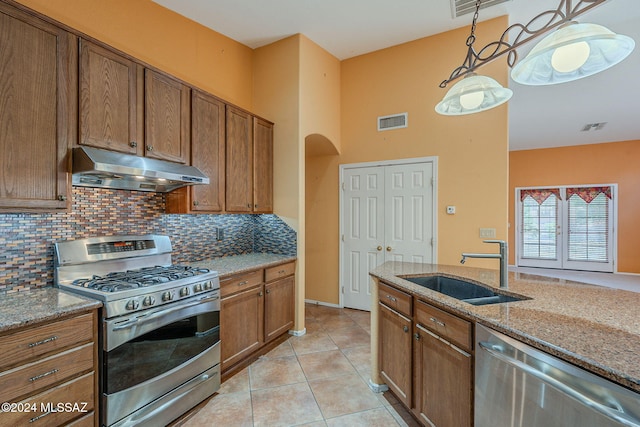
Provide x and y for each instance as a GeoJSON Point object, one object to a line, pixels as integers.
{"type": "Point", "coordinates": [241, 325]}
{"type": "Point", "coordinates": [263, 166]}
{"type": "Point", "coordinates": [443, 382]}
{"type": "Point", "coordinates": [38, 111]}
{"type": "Point", "coordinates": [395, 352]}
{"type": "Point", "coordinates": [110, 110]}
{"type": "Point", "coordinates": [239, 180]}
{"type": "Point", "coordinates": [279, 307]}
{"type": "Point", "coordinates": [207, 151]}
{"type": "Point", "coordinates": [167, 118]}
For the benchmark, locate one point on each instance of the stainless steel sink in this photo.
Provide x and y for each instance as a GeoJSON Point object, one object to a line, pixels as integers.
{"type": "Point", "coordinates": [463, 291]}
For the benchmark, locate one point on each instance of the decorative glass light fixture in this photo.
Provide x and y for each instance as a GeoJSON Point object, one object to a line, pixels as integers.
{"type": "Point", "coordinates": [572, 52]}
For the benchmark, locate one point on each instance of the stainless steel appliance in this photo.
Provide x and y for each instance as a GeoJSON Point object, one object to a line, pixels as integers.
{"type": "Point", "coordinates": [93, 167]}
{"type": "Point", "coordinates": [159, 331]}
{"type": "Point", "coordinates": [519, 386]}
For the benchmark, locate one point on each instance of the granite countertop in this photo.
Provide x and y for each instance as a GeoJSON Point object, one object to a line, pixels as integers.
{"type": "Point", "coordinates": [229, 265]}
{"type": "Point", "coordinates": [40, 305]}
{"type": "Point", "coordinates": [594, 327]}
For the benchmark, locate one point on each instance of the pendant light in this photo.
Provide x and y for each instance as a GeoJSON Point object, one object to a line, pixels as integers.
{"type": "Point", "coordinates": [472, 94]}
{"type": "Point", "coordinates": [572, 52]}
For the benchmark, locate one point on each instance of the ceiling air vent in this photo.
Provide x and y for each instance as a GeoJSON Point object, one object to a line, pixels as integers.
{"type": "Point", "coordinates": [593, 126]}
{"type": "Point", "coordinates": [465, 7]}
{"type": "Point", "coordinates": [395, 121]}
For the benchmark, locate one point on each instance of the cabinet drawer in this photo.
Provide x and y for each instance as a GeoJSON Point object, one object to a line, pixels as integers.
{"type": "Point", "coordinates": [451, 328]}
{"type": "Point", "coordinates": [38, 375]}
{"type": "Point", "coordinates": [283, 270]}
{"type": "Point", "coordinates": [240, 282]}
{"type": "Point", "coordinates": [395, 299]}
{"type": "Point", "coordinates": [26, 345]}
{"type": "Point", "coordinates": [79, 394]}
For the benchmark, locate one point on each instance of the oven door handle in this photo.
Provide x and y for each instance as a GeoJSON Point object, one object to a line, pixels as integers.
{"type": "Point", "coordinates": [151, 316]}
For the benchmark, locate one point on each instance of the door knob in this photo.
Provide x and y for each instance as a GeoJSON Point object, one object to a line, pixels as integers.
{"type": "Point", "coordinates": [388, 248]}
{"type": "Point", "coordinates": [379, 248]}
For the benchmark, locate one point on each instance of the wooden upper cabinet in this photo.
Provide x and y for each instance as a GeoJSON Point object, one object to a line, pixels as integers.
{"type": "Point", "coordinates": [167, 118]}
{"type": "Point", "coordinates": [207, 154]}
{"type": "Point", "coordinates": [38, 112]}
{"type": "Point", "coordinates": [239, 176]}
{"type": "Point", "coordinates": [111, 111]}
{"type": "Point", "coordinates": [263, 166]}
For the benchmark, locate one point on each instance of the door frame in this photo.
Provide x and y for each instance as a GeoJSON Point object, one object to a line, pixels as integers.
{"type": "Point", "coordinates": [614, 224]}
{"type": "Point", "coordinates": [397, 162]}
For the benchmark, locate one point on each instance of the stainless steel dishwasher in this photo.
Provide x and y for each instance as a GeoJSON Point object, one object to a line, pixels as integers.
{"type": "Point", "coordinates": [519, 386]}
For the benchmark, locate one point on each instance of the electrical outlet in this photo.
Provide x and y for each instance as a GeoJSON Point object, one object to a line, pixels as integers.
{"type": "Point", "coordinates": [451, 210]}
{"type": "Point", "coordinates": [219, 233]}
{"type": "Point", "coordinates": [488, 233]}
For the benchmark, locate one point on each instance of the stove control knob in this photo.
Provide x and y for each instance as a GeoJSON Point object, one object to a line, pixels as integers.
{"type": "Point", "coordinates": [132, 305]}
{"type": "Point", "coordinates": [184, 292]}
{"type": "Point", "coordinates": [149, 300]}
{"type": "Point", "coordinates": [167, 296]}
{"type": "Point", "coordinates": [208, 285]}
{"type": "Point", "coordinates": [197, 287]}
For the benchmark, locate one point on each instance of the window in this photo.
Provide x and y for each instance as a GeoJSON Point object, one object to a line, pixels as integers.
{"type": "Point", "coordinates": [566, 227]}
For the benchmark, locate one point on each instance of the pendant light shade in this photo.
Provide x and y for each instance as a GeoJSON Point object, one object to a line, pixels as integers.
{"type": "Point", "coordinates": [572, 52]}
{"type": "Point", "coordinates": [473, 94]}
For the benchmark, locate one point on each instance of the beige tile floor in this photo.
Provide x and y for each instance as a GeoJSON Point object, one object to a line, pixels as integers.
{"type": "Point", "coordinates": [319, 379]}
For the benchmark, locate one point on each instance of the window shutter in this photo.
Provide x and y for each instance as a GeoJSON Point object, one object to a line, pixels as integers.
{"type": "Point", "coordinates": [588, 228]}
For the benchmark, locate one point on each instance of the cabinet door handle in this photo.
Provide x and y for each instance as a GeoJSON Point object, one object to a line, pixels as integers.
{"type": "Point", "coordinates": [379, 248]}
{"type": "Point", "coordinates": [196, 203]}
{"type": "Point", "coordinates": [255, 206]}
{"type": "Point", "coordinates": [416, 336]}
{"type": "Point", "coordinates": [260, 294]}
{"type": "Point", "coordinates": [62, 197]}
{"type": "Point", "coordinates": [392, 298]}
{"type": "Point", "coordinates": [405, 328]}
{"type": "Point", "coordinates": [249, 205]}
{"type": "Point", "coordinates": [149, 147]}
{"type": "Point", "coordinates": [268, 291]}
{"type": "Point", "coordinates": [437, 322]}
{"type": "Point", "coordinates": [133, 144]}
{"type": "Point", "coordinates": [389, 249]}
{"type": "Point", "coordinates": [44, 341]}
{"type": "Point", "coordinates": [46, 374]}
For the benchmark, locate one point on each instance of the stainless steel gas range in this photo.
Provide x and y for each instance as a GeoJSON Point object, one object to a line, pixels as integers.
{"type": "Point", "coordinates": [160, 325]}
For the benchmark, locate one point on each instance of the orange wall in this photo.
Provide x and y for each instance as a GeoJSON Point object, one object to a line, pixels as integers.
{"type": "Point", "coordinates": [472, 150]}
{"type": "Point", "coordinates": [163, 39]}
{"type": "Point", "coordinates": [609, 163]}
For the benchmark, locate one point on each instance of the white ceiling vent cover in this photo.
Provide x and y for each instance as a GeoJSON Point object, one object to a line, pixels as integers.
{"type": "Point", "coordinates": [396, 121]}
{"type": "Point", "coordinates": [465, 7]}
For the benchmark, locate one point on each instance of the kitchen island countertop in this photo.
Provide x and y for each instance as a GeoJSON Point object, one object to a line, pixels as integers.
{"type": "Point", "coordinates": [230, 265]}
{"type": "Point", "coordinates": [591, 326]}
{"type": "Point", "coordinates": [38, 305]}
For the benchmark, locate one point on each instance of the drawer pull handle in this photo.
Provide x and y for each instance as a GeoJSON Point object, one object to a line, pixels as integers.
{"type": "Point", "coordinates": [34, 419]}
{"type": "Point", "coordinates": [44, 341]}
{"type": "Point", "coordinates": [391, 298]}
{"type": "Point", "coordinates": [46, 374]}
{"type": "Point", "coordinates": [282, 271]}
{"type": "Point", "coordinates": [437, 322]}
{"type": "Point", "coordinates": [244, 282]}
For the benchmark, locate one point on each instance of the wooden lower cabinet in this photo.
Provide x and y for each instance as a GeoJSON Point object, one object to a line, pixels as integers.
{"type": "Point", "coordinates": [279, 307]}
{"type": "Point", "coordinates": [395, 352]}
{"type": "Point", "coordinates": [48, 373]}
{"type": "Point", "coordinates": [254, 313]}
{"type": "Point", "coordinates": [442, 381]}
{"type": "Point", "coordinates": [241, 324]}
{"type": "Point", "coordinates": [426, 359]}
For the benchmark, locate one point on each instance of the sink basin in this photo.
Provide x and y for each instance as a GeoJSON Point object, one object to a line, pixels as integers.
{"type": "Point", "coordinates": [462, 290]}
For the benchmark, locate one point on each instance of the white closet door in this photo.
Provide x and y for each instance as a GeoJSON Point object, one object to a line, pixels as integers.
{"type": "Point", "coordinates": [408, 213]}
{"type": "Point", "coordinates": [363, 222]}
{"type": "Point", "coordinates": [387, 215]}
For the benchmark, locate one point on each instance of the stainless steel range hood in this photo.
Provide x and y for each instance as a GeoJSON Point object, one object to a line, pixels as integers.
{"type": "Point", "coordinates": [93, 167]}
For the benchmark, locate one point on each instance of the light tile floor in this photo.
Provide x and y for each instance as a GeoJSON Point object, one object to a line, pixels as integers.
{"type": "Point", "coordinates": [318, 379]}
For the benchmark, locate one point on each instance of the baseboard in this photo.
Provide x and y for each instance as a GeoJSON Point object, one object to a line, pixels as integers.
{"type": "Point", "coordinates": [326, 304]}
{"type": "Point", "coordinates": [377, 388]}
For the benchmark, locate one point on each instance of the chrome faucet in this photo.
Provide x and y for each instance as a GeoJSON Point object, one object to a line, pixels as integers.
{"type": "Point", "coordinates": [503, 255]}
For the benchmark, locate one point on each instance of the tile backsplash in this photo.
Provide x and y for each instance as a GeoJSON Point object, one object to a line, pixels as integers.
{"type": "Point", "coordinates": [26, 239]}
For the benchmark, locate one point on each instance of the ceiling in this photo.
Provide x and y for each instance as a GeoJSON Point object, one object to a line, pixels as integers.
{"type": "Point", "coordinates": [539, 117]}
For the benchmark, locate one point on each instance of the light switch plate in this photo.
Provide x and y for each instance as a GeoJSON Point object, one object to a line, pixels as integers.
{"type": "Point", "coordinates": [488, 233]}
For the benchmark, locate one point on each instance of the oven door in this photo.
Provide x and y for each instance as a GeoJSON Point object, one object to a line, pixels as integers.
{"type": "Point", "coordinates": [149, 354]}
